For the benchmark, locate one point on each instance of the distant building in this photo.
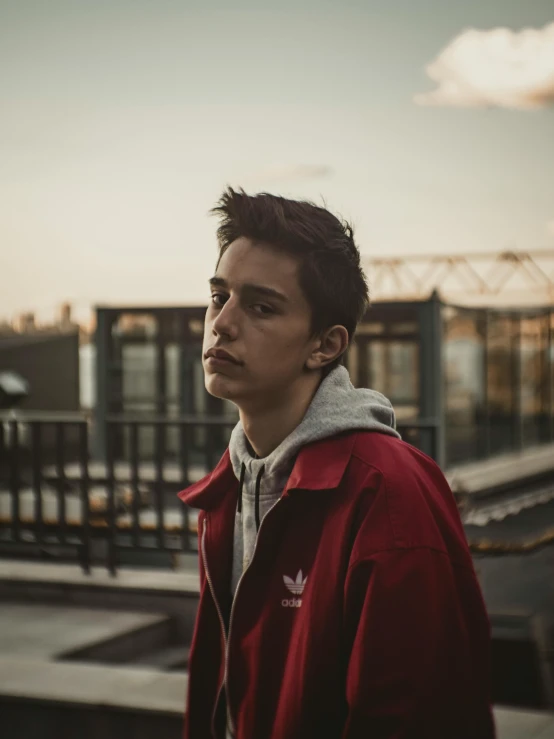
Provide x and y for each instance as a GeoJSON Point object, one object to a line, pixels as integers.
{"type": "Point", "coordinates": [25, 323]}
{"type": "Point", "coordinates": [483, 377]}
{"type": "Point", "coordinates": [49, 361]}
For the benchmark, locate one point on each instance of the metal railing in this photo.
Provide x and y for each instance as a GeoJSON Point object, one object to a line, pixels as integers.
{"type": "Point", "coordinates": [56, 500]}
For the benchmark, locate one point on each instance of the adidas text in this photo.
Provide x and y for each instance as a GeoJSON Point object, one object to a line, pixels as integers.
{"type": "Point", "coordinates": [292, 603]}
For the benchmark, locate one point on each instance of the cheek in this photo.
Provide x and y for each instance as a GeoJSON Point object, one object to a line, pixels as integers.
{"type": "Point", "coordinates": [280, 350]}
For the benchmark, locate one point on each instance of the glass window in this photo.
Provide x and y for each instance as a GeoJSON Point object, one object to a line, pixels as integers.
{"type": "Point", "coordinates": [546, 398]}
{"type": "Point", "coordinates": [464, 384]}
{"type": "Point", "coordinates": [502, 398]}
{"type": "Point", "coordinates": [172, 357]}
{"type": "Point", "coordinates": [172, 396]}
{"type": "Point", "coordinates": [533, 396]}
{"type": "Point", "coordinates": [139, 377]}
{"type": "Point", "coordinates": [139, 390]}
{"type": "Point", "coordinates": [393, 369]}
{"type": "Point", "coordinates": [535, 378]}
{"type": "Point", "coordinates": [129, 332]}
{"type": "Point", "coordinates": [143, 325]}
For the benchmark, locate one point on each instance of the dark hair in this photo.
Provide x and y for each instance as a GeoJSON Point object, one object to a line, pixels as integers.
{"type": "Point", "coordinates": [330, 272]}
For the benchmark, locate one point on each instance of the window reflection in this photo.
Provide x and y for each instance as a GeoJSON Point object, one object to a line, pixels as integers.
{"type": "Point", "coordinates": [154, 368]}
{"type": "Point", "coordinates": [172, 396]}
{"type": "Point", "coordinates": [393, 369]}
{"type": "Point", "coordinates": [134, 339]}
{"type": "Point", "coordinates": [463, 362]}
{"type": "Point", "coordinates": [501, 382]}
{"type": "Point", "coordinates": [498, 381]}
{"type": "Point", "coordinates": [533, 400]}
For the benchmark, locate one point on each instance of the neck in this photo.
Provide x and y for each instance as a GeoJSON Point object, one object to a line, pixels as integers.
{"type": "Point", "coordinates": [266, 427]}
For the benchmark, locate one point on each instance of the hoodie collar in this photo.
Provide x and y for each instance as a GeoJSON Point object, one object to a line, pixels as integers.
{"type": "Point", "coordinates": [319, 466]}
{"type": "Point", "coordinates": [336, 408]}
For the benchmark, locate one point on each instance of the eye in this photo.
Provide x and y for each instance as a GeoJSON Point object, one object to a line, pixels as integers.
{"type": "Point", "coordinates": [262, 309]}
{"type": "Point", "coordinates": [219, 299]}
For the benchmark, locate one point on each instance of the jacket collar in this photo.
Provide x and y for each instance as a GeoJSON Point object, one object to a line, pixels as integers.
{"type": "Point", "coordinates": [208, 491]}
{"type": "Point", "coordinates": [319, 466]}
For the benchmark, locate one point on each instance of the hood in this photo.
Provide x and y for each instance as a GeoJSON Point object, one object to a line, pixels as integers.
{"type": "Point", "coordinates": [337, 407]}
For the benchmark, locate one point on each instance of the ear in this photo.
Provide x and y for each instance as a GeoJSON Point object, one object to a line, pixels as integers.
{"type": "Point", "coordinates": [329, 346]}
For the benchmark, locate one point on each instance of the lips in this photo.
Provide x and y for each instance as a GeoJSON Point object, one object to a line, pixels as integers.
{"type": "Point", "coordinates": [222, 356]}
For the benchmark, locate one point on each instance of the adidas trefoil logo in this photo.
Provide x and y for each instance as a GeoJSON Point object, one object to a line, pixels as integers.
{"type": "Point", "coordinates": [296, 587]}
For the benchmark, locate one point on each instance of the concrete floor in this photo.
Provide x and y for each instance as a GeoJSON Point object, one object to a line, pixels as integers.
{"type": "Point", "coordinates": [68, 683]}
{"type": "Point", "coordinates": [512, 724]}
{"type": "Point", "coordinates": [37, 631]}
{"type": "Point", "coordinates": [31, 635]}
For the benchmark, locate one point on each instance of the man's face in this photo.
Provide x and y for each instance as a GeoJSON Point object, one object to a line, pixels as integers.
{"type": "Point", "coordinates": [257, 334]}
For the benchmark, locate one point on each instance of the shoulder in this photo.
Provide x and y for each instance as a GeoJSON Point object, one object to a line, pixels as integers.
{"type": "Point", "coordinates": [420, 508]}
{"type": "Point", "coordinates": [400, 464]}
{"type": "Point", "coordinates": [384, 451]}
{"type": "Point", "coordinates": [396, 460]}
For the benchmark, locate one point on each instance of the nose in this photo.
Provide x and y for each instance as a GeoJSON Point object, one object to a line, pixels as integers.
{"type": "Point", "coordinates": [226, 321]}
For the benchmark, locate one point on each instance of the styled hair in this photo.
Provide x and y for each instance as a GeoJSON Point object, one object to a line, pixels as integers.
{"type": "Point", "coordinates": [330, 272]}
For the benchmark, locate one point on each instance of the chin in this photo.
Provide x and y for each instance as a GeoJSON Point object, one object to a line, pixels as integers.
{"type": "Point", "coordinates": [222, 387]}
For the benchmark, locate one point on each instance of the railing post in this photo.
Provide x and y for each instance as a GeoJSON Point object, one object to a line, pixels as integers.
{"type": "Point", "coordinates": [102, 339]}
{"type": "Point", "coordinates": [15, 477]}
{"type": "Point", "coordinates": [85, 507]}
{"type": "Point", "coordinates": [159, 441]}
{"type": "Point", "coordinates": [135, 505]}
{"type": "Point", "coordinates": [110, 512]}
{"type": "Point", "coordinates": [36, 463]}
{"type": "Point", "coordinates": [60, 474]}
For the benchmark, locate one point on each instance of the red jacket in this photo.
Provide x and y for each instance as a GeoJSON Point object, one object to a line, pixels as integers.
{"type": "Point", "coordinates": [360, 614]}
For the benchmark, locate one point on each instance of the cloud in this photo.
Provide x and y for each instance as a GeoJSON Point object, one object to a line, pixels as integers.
{"type": "Point", "coordinates": [293, 172]}
{"type": "Point", "coordinates": [499, 68]}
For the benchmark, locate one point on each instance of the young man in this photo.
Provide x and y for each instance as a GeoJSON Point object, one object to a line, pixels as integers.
{"type": "Point", "coordinates": [338, 598]}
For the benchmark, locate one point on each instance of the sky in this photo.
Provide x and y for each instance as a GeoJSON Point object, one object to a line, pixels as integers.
{"type": "Point", "coordinates": [427, 123]}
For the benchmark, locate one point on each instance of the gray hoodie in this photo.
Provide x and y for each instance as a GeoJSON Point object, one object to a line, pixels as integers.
{"type": "Point", "coordinates": [337, 407]}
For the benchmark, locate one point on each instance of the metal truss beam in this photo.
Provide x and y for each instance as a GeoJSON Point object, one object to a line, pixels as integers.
{"type": "Point", "coordinates": [510, 276]}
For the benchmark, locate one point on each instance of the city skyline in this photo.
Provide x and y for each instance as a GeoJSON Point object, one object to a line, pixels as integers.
{"type": "Point", "coordinates": [122, 123]}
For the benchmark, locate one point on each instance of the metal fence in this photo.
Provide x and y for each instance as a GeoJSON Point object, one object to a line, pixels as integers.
{"type": "Point", "coordinates": [57, 500]}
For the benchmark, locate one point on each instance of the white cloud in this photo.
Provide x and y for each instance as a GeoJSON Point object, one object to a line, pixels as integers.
{"type": "Point", "coordinates": [499, 68]}
{"type": "Point", "coordinates": [293, 172]}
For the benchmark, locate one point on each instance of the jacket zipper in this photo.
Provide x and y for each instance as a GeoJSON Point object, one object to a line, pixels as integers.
{"type": "Point", "coordinates": [220, 616]}
{"type": "Point", "coordinates": [226, 672]}
{"type": "Point", "coordinates": [226, 637]}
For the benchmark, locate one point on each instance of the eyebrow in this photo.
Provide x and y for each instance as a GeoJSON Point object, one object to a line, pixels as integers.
{"type": "Point", "coordinates": [249, 287]}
